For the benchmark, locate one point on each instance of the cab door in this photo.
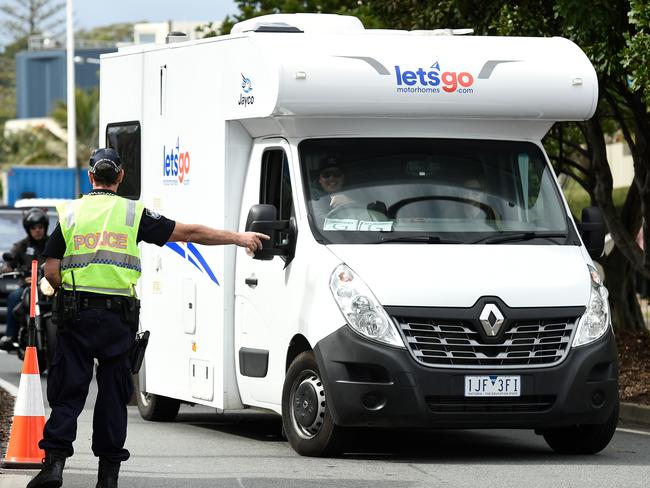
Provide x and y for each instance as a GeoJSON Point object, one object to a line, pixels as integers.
{"type": "Point", "coordinates": [263, 309]}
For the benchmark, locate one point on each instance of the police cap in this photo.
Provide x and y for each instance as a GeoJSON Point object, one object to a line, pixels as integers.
{"type": "Point", "coordinates": [104, 157]}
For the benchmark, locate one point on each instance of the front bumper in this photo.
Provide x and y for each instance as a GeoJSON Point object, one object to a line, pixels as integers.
{"type": "Point", "coordinates": [368, 384]}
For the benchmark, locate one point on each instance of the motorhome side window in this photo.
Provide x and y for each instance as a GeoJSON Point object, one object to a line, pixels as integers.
{"type": "Point", "coordinates": [124, 137]}
{"type": "Point", "coordinates": [468, 191]}
{"type": "Point", "coordinates": [276, 185]}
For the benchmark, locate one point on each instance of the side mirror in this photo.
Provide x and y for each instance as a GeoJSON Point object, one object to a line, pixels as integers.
{"type": "Point", "coordinates": [592, 231]}
{"type": "Point", "coordinates": [263, 218]}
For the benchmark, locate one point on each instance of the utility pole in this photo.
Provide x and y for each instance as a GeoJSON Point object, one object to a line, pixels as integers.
{"type": "Point", "coordinates": [72, 119]}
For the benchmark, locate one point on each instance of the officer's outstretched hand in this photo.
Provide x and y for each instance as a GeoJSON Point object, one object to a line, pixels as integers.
{"type": "Point", "coordinates": [252, 241]}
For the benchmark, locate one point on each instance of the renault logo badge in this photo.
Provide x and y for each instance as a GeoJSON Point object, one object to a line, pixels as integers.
{"type": "Point", "coordinates": [491, 319]}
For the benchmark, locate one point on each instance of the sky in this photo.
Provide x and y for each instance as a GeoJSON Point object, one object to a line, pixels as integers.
{"type": "Point", "coordinates": [95, 13]}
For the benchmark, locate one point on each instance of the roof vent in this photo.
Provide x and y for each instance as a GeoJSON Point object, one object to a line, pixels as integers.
{"type": "Point", "coordinates": [275, 27]}
{"type": "Point", "coordinates": [443, 32]}
{"type": "Point", "coordinates": [307, 23]}
{"type": "Point", "coordinates": [176, 36]}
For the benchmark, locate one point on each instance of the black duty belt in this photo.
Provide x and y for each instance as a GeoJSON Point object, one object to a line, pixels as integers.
{"type": "Point", "coordinates": [101, 303]}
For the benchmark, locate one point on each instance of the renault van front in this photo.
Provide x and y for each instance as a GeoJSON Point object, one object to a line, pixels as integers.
{"type": "Point", "coordinates": [467, 298]}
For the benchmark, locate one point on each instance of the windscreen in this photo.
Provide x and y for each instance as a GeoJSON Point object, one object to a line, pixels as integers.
{"type": "Point", "coordinates": [458, 190]}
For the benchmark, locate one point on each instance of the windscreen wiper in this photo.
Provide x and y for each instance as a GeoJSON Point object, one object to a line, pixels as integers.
{"type": "Point", "coordinates": [419, 240]}
{"type": "Point", "coordinates": [519, 236]}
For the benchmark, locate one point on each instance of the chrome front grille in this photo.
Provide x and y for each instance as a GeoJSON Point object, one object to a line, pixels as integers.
{"type": "Point", "coordinates": [457, 343]}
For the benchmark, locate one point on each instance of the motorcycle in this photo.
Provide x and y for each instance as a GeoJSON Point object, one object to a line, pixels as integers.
{"type": "Point", "coordinates": [44, 328]}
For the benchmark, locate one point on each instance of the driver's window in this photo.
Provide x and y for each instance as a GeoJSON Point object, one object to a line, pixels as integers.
{"type": "Point", "coordinates": [275, 188]}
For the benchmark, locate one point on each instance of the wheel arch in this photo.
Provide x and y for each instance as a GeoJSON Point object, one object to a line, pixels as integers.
{"type": "Point", "coordinates": [297, 345]}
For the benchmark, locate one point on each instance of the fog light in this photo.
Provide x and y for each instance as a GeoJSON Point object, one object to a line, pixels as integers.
{"type": "Point", "coordinates": [598, 399]}
{"type": "Point", "coordinates": [373, 401]}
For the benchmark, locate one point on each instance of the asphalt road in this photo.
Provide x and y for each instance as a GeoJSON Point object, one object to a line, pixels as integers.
{"type": "Point", "coordinates": [204, 449]}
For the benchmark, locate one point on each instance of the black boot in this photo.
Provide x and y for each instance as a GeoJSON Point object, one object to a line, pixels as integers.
{"type": "Point", "coordinates": [108, 473]}
{"type": "Point", "coordinates": [51, 476]}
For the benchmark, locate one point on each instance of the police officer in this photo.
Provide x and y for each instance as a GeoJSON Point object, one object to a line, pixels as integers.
{"type": "Point", "coordinates": [23, 252]}
{"type": "Point", "coordinates": [93, 260]}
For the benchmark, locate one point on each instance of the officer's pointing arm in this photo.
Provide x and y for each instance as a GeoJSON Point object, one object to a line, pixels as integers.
{"type": "Point", "coordinates": [201, 234]}
{"type": "Point", "coordinates": [53, 272]}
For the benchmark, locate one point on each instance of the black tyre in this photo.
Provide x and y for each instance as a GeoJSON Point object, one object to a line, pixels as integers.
{"type": "Point", "coordinates": [306, 420]}
{"type": "Point", "coordinates": [155, 407]}
{"type": "Point", "coordinates": [582, 439]}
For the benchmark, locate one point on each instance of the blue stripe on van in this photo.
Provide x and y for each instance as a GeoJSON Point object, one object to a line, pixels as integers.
{"type": "Point", "coordinates": [205, 267]}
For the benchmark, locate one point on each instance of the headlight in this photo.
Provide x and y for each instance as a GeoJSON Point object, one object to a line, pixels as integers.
{"type": "Point", "coordinates": [596, 319]}
{"type": "Point", "coordinates": [361, 309]}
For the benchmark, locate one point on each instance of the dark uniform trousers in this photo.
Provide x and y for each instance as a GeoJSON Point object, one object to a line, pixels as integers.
{"type": "Point", "coordinates": [102, 334]}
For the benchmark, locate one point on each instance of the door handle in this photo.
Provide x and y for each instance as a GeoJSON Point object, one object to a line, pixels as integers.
{"type": "Point", "coordinates": [251, 281]}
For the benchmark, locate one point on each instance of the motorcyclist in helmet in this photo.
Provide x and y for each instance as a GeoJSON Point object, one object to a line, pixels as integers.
{"type": "Point", "coordinates": [35, 223]}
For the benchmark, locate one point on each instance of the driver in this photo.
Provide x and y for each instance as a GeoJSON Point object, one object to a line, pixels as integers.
{"type": "Point", "coordinates": [328, 195]}
{"type": "Point", "coordinates": [24, 251]}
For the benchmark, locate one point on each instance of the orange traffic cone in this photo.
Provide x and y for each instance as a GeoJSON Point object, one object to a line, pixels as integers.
{"type": "Point", "coordinates": [29, 418]}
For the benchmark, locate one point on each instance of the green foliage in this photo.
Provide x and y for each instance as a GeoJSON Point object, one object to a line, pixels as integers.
{"type": "Point", "coordinates": [254, 8]}
{"type": "Point", "coordinates": [31, 146]}
{"type": "Point", "coordinates": [637, 52]}
{"type": "Point", "coordinates": [578, 198]}
{"type": "Point", "coordinates": [121, 32]}
{"type": "Point", "coordinates": [87, 119]}
{"type": "Point", "coordinates": [207, 30]}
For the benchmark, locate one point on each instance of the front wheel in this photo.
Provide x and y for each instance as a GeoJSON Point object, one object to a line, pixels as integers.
{"type": "Point", "coordinates": [582, 439]}
{"type": "Point", "coordinates": [155, 407]}
{"type": "Point", "coordinates": [306, 420]}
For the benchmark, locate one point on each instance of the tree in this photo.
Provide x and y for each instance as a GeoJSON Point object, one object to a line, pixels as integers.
{"type": "Point", "coordinates": [28, 17]}
{"type": "Point", "coordinates": [87, 118]}
{"type": "Point", "coordinates": [254, 8]}
{"type": "Point", "coordinates": [31, 146]}
{"type": "Point", "coordinates": [121, 32]}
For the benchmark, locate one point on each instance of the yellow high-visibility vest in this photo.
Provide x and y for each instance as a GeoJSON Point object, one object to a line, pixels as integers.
{"type": "Point", "coordinates": [101, 250]}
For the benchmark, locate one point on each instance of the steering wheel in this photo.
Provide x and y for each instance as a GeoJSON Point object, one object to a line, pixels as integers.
{"type": "Point", "coordinates": [490, 212]}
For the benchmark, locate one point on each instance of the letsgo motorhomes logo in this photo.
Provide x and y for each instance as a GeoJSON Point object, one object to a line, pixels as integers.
{"type": "Point", "coordinates": [245, 99]}
{"type": "Point", "coordinates": [176, 165]}
{"type": "Point", "coordinates": [432, 80]}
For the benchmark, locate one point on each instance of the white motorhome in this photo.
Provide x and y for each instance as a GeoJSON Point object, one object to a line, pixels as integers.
{"type": "Point", "coordinates": [444, 284]}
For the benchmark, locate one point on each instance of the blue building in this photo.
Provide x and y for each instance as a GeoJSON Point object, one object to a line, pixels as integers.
{"type": "Point", "coordinates": [41, 78]}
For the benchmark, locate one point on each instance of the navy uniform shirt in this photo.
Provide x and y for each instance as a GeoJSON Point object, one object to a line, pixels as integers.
{"type": "Point", "coordinates": [154, 229]}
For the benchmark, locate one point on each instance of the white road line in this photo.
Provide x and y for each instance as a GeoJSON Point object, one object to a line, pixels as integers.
{"type": "Point", "coordinates": [634, 431]}
{"type": "Point", "coordinates": [11, 389]}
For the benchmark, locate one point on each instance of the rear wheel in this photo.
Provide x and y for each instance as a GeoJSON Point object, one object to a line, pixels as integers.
{"type": "Point", "coordinates": [155, 407]}
{"type": "Point", "coordinates": [306, 420]}
{"type": "Point", "coordinates": [582, 439]}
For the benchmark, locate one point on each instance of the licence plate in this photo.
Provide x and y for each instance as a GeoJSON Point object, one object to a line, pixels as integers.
{"type": "Point", "coordinates": [492, 385]}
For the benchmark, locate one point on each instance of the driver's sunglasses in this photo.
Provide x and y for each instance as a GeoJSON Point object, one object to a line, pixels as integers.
{"type": "Point", "coordinates": [328, 173]}
{"type": "Point", "coordinates": [37, 226]}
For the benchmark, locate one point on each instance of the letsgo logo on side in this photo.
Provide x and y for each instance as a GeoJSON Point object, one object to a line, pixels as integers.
{"type": "Point", "coordinates": [432, 80]}
{"type": "Point", "coordinates": [176, 165]}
